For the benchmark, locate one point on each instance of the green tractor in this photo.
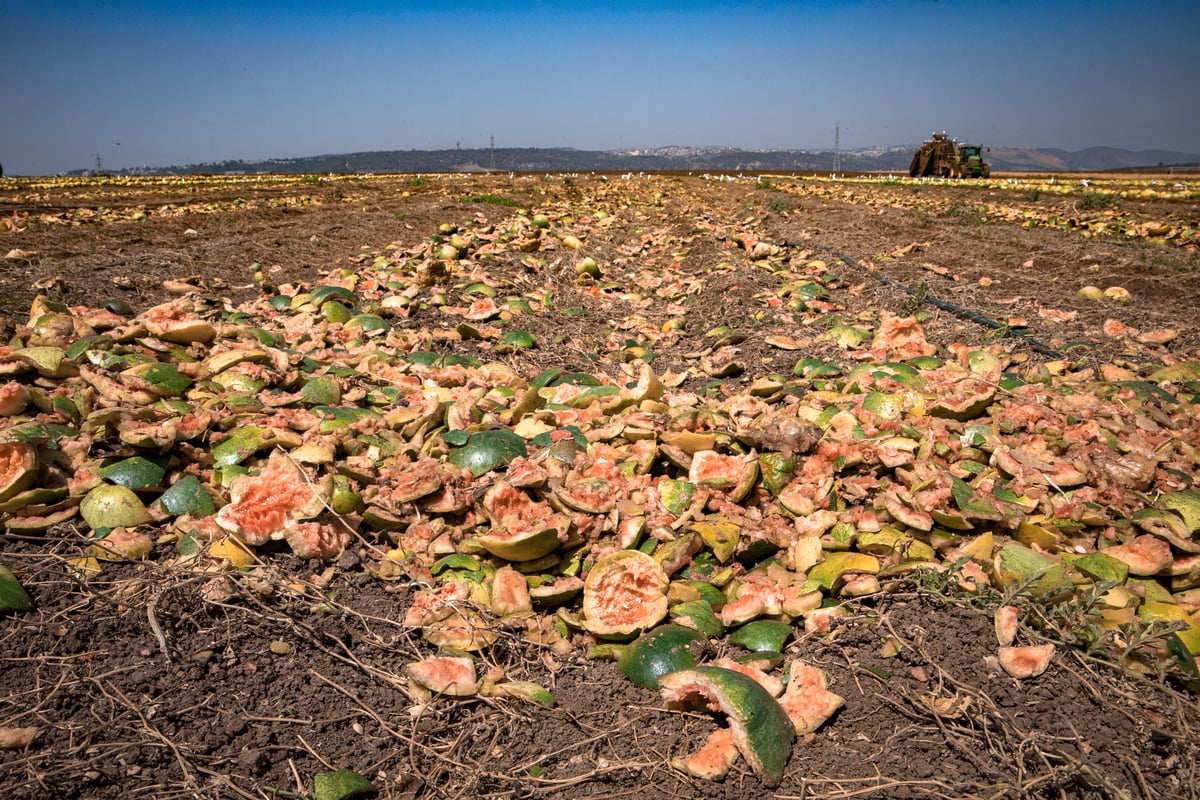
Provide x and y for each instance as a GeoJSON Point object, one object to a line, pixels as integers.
{"type": "Point", "coordinates": [942, 157]}
{"type": "Point", "coordinates": [971, 163]}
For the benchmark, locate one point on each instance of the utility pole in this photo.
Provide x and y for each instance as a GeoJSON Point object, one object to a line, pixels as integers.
{"type": "Point", "coordinates": [492, 145]}
{"type": "Point", "coordinates": [837, 149]}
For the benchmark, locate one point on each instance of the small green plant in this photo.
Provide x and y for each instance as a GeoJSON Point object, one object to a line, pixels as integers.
{"type": "Point", "coordinates": [939, 582]}
{"type": "Point", "coordinates": [914, 302]}
{"type": "Point", "coordinates": [495, 200]}
{"type": "Point", "coordinates": [1032, 195]}
{"type": "Point", "coordinates": [778, 205]}
{"type": "Point", "coordinates": [416, 180]}
{"type": "Point", "coordinates": [763, 183]}
{"type": "Point", "coordinates": [996, 334]}
{"type": "Point", "coordinates": [1094, 201]}
{"type": "Point", "coordinates": [964, 212]}
{"type": "Point", "coordinates": [1074, 621]}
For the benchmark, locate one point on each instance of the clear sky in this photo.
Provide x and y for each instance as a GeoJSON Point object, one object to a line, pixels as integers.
{"type": "Point", "coordinates": [162, 83]}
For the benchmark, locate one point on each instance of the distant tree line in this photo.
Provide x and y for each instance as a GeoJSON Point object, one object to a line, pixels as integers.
{"type": "Point", "coordinates": [521, 160]}
{"type": "Point", "coordinates": [695, 159]}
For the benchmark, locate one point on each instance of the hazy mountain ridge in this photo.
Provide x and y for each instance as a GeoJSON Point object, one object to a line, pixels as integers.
{"type": "Point", "coordinates": [1088, 159]}
{"type": "Point", "coordinates": [891, 158]}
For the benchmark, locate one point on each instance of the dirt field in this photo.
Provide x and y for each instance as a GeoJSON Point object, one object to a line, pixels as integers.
{"type": "Point", "coordinates": [150, 677]}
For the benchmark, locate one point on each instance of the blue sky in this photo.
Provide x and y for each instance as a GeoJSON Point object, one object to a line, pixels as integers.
{"type": "Point", "coordinates": [161, 83]}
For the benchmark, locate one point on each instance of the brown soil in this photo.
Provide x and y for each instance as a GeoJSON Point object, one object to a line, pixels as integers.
{"type": "Point", "coordinates": [141, 688]}
{"type": "Point", "coordinates": [249, 697]}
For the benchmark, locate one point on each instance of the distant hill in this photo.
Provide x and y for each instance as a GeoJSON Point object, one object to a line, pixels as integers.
{"type": "Point", "coordinates": [715, 159]}
{"type": "Point", "coordinates": [1092, 159]}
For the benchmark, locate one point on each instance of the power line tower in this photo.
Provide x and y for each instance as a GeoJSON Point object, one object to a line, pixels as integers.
{"type": "Point", "coordinates": [837, 149]}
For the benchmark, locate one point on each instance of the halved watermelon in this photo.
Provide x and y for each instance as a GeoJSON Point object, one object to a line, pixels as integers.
{"type": "Point", "coordinates": [1026, 662]}
{"type": "Point", "coordinates": [663, 650]}
{"type": "Point", "coordinates": [13, 596]}
{"type": "Point", "coordinates": [510, 593]}
{"type": "Point", "coordinates": [806, 700]}
{"type": "Point", "coordinates": [762, 635]}
{"type": "Point", "coordinates": [733, 474]}
{"type": "Point", "coordinates": [523, 529]}
{"type": "Point", "coordinates": [121, 544]}
{"type": "Point", "coordinates": [14, 396]}
{"type": "Point", "coordinates": [431, 605]}
{"type": "Point", "coordinates": [488, 450]}
{"type": "Point", "coordinates": [449, 675]}
{"type": "Point", "coordinates": [18, 468]}
{"type": "Point", "coordinates": [407, 482]}
{"type": "Point", "coordinates": [342, 784]}
{"type": "Point", "coordinates": [175, 321]}
{"type": "Point", "coordinates": [589, 495]}
{"type": "Point", "coordinates": [263, 506]}
{"type": "Point", "coordinates": [713, 759]}
{"type": "Point", "coordinates": [962, 394]}
{"type": "Point", "coordinates": [462, 631]}
{"type": "Point", "coordinates": [113, 506]}
{"type": "Point", "coordinates": [557, 591]}
{"type": "Point", "coordinates": [320, 540]}
{"type": "Point", "coordinates": [1039, 574]}
{"type": "Point", "coordinates": [762, 731]}
{"type": "Point", "coordinates": [1144, 554]}
{"type": "Point", "coordinates": [623, 593]}
{"type": "Point", "coordinates": [756, 670]}
{"type": "Point", "coordinates": [1005, 622]}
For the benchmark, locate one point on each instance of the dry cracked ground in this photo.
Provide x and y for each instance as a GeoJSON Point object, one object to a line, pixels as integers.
{"type": "Point", "coordinates": [361, 485]}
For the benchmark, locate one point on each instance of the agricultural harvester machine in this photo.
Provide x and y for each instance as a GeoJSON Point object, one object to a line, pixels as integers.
{"type": "Point", "coordinates": [943, 157]}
